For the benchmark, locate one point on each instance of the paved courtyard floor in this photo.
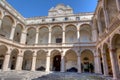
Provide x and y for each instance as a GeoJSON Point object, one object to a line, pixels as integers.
{"type": "Point", "coordinates": [37, 75]}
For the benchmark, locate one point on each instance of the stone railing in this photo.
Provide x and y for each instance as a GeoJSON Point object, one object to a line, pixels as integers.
{"type": "Point", "coordinates": [16, 44]}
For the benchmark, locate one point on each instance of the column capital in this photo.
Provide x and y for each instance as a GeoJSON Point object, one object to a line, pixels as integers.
{"type": "Point", "coordinates": [13, 26]}
{"type": "Point", "coordinates": [24, 32]}
{"type": "Point", "coordinates": [37, 31]}
{"type": "Point", "coordinates": [34, 53]}
{"type": "Point", "coordinates": [63, 31]}
{"type": "Point", "coordinates": [113, 49]}
{"type": "Point", "coordinates": [96, 56]}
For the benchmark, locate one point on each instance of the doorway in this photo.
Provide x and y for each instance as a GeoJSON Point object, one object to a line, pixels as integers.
{"type": "Point", "coordinates": [56, 63]}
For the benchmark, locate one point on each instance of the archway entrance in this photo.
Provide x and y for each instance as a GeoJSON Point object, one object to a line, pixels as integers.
{"type": "Point", "coordinates": [27, 60]}
{"type": "Point", "coordinates": [3, 50]}
{"type": "Point", "coordinates": [108, 60]}
{"type": "Point", "coordinates": [116, 47]}
{"type": "Point", "coordinates": [87, 64]}
{"type": "Point", "coordinates": [13, 59]}
{"type": "Point", "coordinates": [71, 61]}
{"type": "Point", "coordinates": [57, 62]}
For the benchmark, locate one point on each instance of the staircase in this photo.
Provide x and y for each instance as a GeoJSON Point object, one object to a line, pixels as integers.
{"type": "Point", "coordinates": [37, 75]}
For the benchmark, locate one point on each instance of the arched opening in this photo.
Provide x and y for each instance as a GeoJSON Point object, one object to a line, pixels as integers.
{"type": "Point", "coordinates": [7, 23]}
{"type": "Point", "coordinates": [111, 8]}
{"type": "Point", "coordinates": [55, 60]}
{"type": "Point", "coordinates": [41, 60]}
{"type": "Point", "coordinates": [43, 39]}
{"type": "Point", "coordinates": [102, 20]}
{"type": "Point", "coordinates": [3, 50]}
{"type": "Point", "coordinates": [13, 59]}
{"type": "Point", "coordinates": [56, 34]}
{"type": "Point", "coordinates": [107, 54]}
{"type": "Point", "coordinates": [17, 34]}
{"type": "Point", "coordinates": [71, 34]}
{"type": "Point", "coordinates": [27, 60]}
{"type": "Point", "coordinates": [71, 61]}
{"type": "Point", "coordinates": [116, 46]}
{"type": "Point", "coordinates": [101, 61]}
{"type": "Point", "coordinates": [31, 35]}
{"type": "Point", "coordinates": [85, 33]}
{"type": "Point", "coordinates": [87, 61]}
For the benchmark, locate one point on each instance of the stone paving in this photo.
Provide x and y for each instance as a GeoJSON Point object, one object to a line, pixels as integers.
{"type": "Point", "coordinates": [37, 75]}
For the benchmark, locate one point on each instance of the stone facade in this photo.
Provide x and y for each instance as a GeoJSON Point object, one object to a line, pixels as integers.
{"type": "Point", "coordinates": [62, 41]}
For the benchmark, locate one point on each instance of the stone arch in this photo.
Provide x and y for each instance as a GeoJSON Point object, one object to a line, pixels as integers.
{"type": "Point", "coordinates": [56, 34]}
{"type": "Point", "coordinates": [6, 26]}
{"type": "Point", "coordinates": [55, 60]}
{"type": "Point", "coordinates": [18, 32]}
{"type": "Point", "coordinates": [13, 59]}
{"type": "Point", "coordinates": [115, 41]}
{"type": "Point", "coordinates": [101, 17]}
{"type": "Point", "coordinates": [70, 34]}
{"type": "Point", "coordinates": [41, 60]}
{"type": "Point", "coordinates": [71, 61]}
{"type": "Point", "coordinates": [111, 8]}
{"type": "Point", "coordinates": [85, 33]}
{"type": "Point", "coordinates": [106, 53]}
{"type": "Point", "coordinates": [27, 60]}
{"type": "Point", "coordinates": [31, 35]}
{"type": "Point", "coordinates": [87, 61]}
{"type": "Point", "coordinates": [43, 39]}
{"type": "Point", "coordinates": [3, 51]}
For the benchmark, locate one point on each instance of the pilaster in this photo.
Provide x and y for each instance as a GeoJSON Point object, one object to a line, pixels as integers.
{"type": "Point", "coordinates": [23, 37]}
{"type": "Point", "coordinates": [12, 33]}
{"type": "Point", "coordinates": [6, 60]}
{"type": "Point", "coordinates": [34, 61]}
{"type": "Point", "coordinates": [114, 62]}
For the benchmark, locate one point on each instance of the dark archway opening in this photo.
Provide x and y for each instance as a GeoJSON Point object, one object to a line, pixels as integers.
{"type": "Point", "coordinates": [56, 63]}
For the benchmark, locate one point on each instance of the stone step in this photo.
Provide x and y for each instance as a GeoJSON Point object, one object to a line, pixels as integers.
{"type": "Point", "coordinates": [37, 75]}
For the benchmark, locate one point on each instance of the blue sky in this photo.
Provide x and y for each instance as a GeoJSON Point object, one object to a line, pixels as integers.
{"type": "Point", "coordinates": [32, 8]}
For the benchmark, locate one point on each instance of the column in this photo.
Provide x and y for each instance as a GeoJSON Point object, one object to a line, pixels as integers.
{"type": "Point", "coordinates": [79, 64]}
{"type": "Point", "coordinates": [23, 37]}
{"type": "Point", "coordinates": [114, 63]}
{"type": "Point", "coordinates": [97, 64]}
{"type": "Point", "coordinates": [78, 36]}
{"type": "Point", "coordinates": [118, 5]}
{"type": "Point", "coordinates": [34, 61]}
{"type": "Point", "coordinates": [19, 61]}
{"type": "Point", "coordinates": [12, 33]}
{"type": "Point", "coordinates": [48, 62]}
{"type": "Point", "coordinates": [37, 36]}
{"type": "Point", "coordinates": [63, 36]}
{"type": "Point", "coordinates": [0, 23]}
{"type": "Point", "coordinates": [94, 35]}
{"type": "Point", "coordinates": [105, 66]}
{"type": "Point", "coordinates": [62, 63]}
{"type": "Point", "coordinates": [106, 17]}
{"type": "Point", "coordinates": [49, 40]}
{"type": "Point", "coordinates": [6, 61]}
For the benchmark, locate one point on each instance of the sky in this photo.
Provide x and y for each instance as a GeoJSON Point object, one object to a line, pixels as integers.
{"type": "Point", "coordinates": [34, 8]}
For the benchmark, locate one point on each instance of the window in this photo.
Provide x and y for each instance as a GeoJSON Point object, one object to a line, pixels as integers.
{"type": "Point", "coordinates": [43, 20]}
{"type": "Point", "coordinates": [66, 18]}
{"type": "Point", "coordinates": [77, 18]}
{"type": "Point", "coordinates": [59, 40]}
{"type": "Point", "coordinates": [53, 19]}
